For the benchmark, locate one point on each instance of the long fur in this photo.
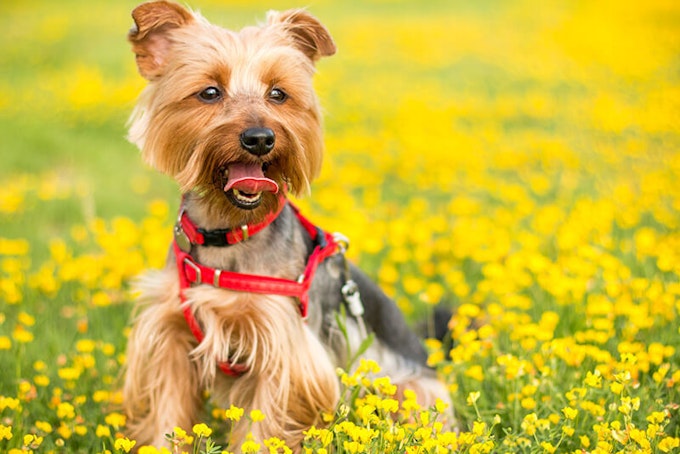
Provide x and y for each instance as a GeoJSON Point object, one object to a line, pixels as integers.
{"type": "Point", "coordinates": [167, 372]}
{"type": "Point", "coordinates": [290, 361]}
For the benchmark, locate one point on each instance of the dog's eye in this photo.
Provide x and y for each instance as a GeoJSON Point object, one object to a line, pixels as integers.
{"type": "Point", "coordinates": [210, 95]}
{"type": "Point", "coordinates": [277, 96]}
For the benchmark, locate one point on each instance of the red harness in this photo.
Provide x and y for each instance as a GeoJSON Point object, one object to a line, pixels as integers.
{"type": "Point", "coordinates": [190, 272]}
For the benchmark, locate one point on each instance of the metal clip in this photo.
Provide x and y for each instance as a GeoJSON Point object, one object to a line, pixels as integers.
{"type": "Point", "coordinates": [246, 234]}
{"type": "Point", "coordinates": [342, 241]}
{"type": "Point", "coordinates": [350, 292]}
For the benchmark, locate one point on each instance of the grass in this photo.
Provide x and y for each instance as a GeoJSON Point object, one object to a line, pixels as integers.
{"type": "Point", "coordinates": [515, 162]}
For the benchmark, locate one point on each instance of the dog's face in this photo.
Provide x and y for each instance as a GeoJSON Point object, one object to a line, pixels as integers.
{"type": "Point", "coordinates": [229, 115]}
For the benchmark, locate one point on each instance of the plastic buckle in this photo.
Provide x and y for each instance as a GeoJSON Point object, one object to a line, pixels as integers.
{"type": "Point", "coordinates": [216, 237]}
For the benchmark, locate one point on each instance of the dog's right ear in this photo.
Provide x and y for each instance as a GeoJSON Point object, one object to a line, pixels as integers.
{"type": "Point", "coordinates": [149, 36]}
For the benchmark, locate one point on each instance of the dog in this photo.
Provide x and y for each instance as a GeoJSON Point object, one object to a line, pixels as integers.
{"type": "Point", "coordinates": [247, 307]}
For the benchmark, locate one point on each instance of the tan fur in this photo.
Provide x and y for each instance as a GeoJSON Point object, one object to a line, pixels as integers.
{"type": "Point", "coordinates": [290, 377]}
{"type": "Point", "coordinates": [159, 370]}
{"type": "Point", "coordinates": [266, 334]}
{"type": "Point", "coordinates": [181, 139]}
{"type": "Point", "coordinates": [290, 369]}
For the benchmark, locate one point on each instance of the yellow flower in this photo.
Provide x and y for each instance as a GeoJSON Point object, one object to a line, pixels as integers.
{"type": "Point", "coordinates": [32, 441]}
{"type": "Point", "coordinates": [8, 402]}
{"type": "Point", "coordinates": [101, 299]}
{"type": "Point", "coordinates": [570, 413]}
{"type": "Point", "coordinates": [594, 380]}
{"type": "Point", "coordinates": [440, 406]}
{"type": "Point", "coordinates": [353, 447]}
{"type": "Point", "coordinates": [628, 405]}
{"type": "Point", "coordinates": [5, 343]}
{"type": "Point", "coordinates": [384, 386]}
{"type": "Point", "coordinates": [124, 444]}
{"type": "Point", "coordinates": [275, 444]}
{"type": "Point", "coordinates": [348, 380]}
{"type": "Point", "coordinates": [85, 346]}
{"type": "Point", "coordinates": [473, 397]}
{"type": "Point", "coordinates": [101, 396]}
{"type": "Point", "coordinates": [425, 418]}
{"type": "Point", "coordinates": [367, 366]}
{"type": "Point", "coordinates": [529, 424]}
{"type": "Point", "coordinates": [250, 447]}
{"type": "Point", "coordinates": [388, 405]}
{"type": "Point", "coordinates": [69, 373]}
{"type": "Point", "coordinates": [43, 426]}
{"type": "Point", "coordinates": [616, 387]}
{"type": "Point", "coordinates": [115, 419]}
{"type": "Point", "coordinates": [547, 447]}
{"type": "Point", "coordinates": [148, 450]}
{"type": "Point", "coordinates": [478, 428]}
{"type": "Point", "coordinates": [325, 436]}
{"type": "Point", "coordinates": [25, 319]}
{"type": "Point", "coordinates": [64, 431]}
{"type": "Point", "coordinates": [256, 415]}
{"type": "Point", "coordinates": [475, 372]}
{"type": "Point", "coordinates": [181, 435]}
{"type": "Point", "coordinates": [41, 380]}
{"type": "Point", "coordinates": [234, 413]}
{"type": "Point", "coordinates": [660, 374]}
{"type": "Point", "coordinates": [656, 417]}
{"type": "Point", "coordinates": [5, 432]}
{"type": "Point", "coordinates": [65, 411]}
{"type": "Point", "coordinates": [528, 402]}
{"type": "Point", "coordinates": [102, 431]}
{"type": "Point", "coordinates": [202, 430]}
{"type": "Point", "coordinates": [668, 444]}
{"type": "Point", "coordinates": [21, 335]}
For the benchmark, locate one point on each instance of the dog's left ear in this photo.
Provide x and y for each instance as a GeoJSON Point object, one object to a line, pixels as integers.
{"type": "Point", "coordinates": [309, 35]}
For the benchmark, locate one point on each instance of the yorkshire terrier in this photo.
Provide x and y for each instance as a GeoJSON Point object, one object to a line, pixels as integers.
{"type": "Point", "coordinates": [247, 306]}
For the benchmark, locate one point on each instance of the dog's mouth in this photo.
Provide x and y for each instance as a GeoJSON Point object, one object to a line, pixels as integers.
{"type": "Point", "coordinates": [245, 183]}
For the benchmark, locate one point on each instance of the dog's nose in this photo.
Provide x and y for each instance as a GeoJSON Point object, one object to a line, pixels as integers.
{"type": "Point", "coordinates": [258, 141]}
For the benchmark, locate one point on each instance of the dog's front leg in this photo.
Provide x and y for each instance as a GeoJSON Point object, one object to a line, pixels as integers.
{"type": "Point", "coordinates": [161, 388]}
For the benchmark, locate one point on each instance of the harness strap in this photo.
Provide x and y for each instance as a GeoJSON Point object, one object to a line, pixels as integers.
{"type": "Point", "coordinates": [223, 237]}
{"type": "Point", "coordinates": [190, 272]}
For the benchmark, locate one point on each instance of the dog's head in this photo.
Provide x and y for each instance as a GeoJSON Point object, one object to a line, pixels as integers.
{"type": "Point", "coordinates": [229, 115]}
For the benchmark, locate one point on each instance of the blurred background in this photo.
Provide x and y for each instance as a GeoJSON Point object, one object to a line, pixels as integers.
{"type": "Point", "coordinates": [515, 161]}
{"type": "Point", "coordinates": [457, 132]}
{"type": "Point", "coordinates": [453, 127]}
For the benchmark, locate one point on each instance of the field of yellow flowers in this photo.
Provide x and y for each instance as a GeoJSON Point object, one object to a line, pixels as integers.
{"type": "Point", "coordinates": [515, 161]}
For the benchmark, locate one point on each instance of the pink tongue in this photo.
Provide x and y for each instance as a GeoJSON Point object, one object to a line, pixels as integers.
{"type": "Point", "coordinates": [249, 178]}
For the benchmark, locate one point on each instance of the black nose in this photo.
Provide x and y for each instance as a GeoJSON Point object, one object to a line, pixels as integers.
{"type": "Point", "coordinates": [258, 141]}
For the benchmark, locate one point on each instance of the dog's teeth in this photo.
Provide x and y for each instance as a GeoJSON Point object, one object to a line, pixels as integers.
{"type": "Point", "coordinates": [245, 196]}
